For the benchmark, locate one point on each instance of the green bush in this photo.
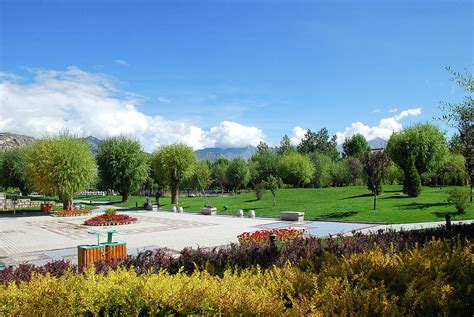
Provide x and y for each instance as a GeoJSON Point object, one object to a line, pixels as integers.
{"type": "Point", "coordinates": [459, 198]}
{"type": "Point", "coordinates": [412, 182]}
{"type": "Point", "coordinates": [110, 211]}
{"type": "Point", "coordinates": [260, 189]}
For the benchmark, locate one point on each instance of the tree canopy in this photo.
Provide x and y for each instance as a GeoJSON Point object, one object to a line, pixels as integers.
{"type": "Point", "coordinates": [172, 164]}
{"type": "Point", "coordinates": [123, 166]}
{"type": "Point", "coordinates": [319, 142]}
{"type": "Point", "coordinates": [61, 165]}
{"type": "Point", "coordinates": [295, 169]}
{"type": "Point", "coordinates": [13, 169]}
{"type": "Point", "coordinates": [355, 146]}
{"type": "Point", "coordinates": [238, 173]}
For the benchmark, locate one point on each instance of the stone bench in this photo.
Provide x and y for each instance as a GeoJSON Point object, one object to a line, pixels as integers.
{"type": "Point", "coordinates": [292, 215]}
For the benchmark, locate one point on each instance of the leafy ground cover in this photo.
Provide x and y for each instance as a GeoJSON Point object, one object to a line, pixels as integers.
{"type": "Point", "coordinates": [427, 272]}
{"type": "Point", "coordinates": [352, 203]}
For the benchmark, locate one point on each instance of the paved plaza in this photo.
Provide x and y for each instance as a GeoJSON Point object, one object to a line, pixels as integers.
{"type": "Point", "coordinates": [38, 239]}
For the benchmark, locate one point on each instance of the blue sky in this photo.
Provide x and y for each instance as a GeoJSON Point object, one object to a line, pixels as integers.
{"type": "Point", "coordinates": [235, 71]}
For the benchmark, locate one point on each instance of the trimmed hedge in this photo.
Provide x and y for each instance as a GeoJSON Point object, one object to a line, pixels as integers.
{"type": "Point", "coordinates": [435, 279]}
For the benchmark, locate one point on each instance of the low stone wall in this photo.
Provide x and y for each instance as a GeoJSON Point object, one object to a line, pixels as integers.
{"type": "Point", "coordinates": [7, 204]}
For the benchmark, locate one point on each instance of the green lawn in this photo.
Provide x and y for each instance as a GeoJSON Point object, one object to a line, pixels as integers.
{"type": "Point", "coordinates": [353, 203]}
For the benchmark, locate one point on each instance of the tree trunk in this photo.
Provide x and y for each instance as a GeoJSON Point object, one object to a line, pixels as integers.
{"type": "Point", "coordinates": [124, 197]}
{"type": "Point", "coordinates": [174, 193]}
{"type": "Point", "coordinates": [67, 204]}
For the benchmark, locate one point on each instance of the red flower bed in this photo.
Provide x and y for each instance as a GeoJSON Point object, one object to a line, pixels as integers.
{"type": "Point", "coordinates": [262, 236]}
{"type": "Point", "coordinates": [110, 220]}
{"type": "Point", "coordinates": [72, 213]}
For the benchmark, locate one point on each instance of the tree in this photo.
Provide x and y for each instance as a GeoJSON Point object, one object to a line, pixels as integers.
{"type": "Point", "coordinates": [202, 178]}
{"type": "Point", "coordinates": [394, 174]}
{"type": "Point", "coordinates": [355, 146]}
{"type": "Point", "coordinates": [322, 173]}
{"type": "Point", "coordinates": [14, 169]}
{"type": "Point", "coordinates": [340, 173]}
{"type": "Point", "coordinates": [260, 189]}
{"type": "Point", "coordinates": [238, 173]}
{"type": "Point", "coordinates": [412, 181]}
{"type": "Point", "coordinates": [172, 164]}
{"type": "Point", "coordinates": [295, 169]}
{"type": "Point", "coordinates": [319, 142]}
{"type": "Point", "coordinates": [422, 145]}
{"type": "Point", "coordinates": [273, 184]}
{"type": "Point", "coordinates": [461, 116]}
{"type": "Point", "coordinates": [285, 145]}
{"type": "Point", "coordinates": [62, 165]}
{"type": "Point", "coordinates": [123, 166]}
{"type": "Point", "coordinates": [262, 147]}
{"type": "Point", "coordinates": [375, 165]}
{"type": "Point", "coordinates": [355, 169]}
{"type": "Point", "coordinates": [219, 172]}
{"type": "Point", "coordinates": [262, 165]}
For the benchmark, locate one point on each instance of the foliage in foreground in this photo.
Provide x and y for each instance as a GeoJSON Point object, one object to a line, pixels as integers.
{"type": "Point", "coordinates": [434, 279]}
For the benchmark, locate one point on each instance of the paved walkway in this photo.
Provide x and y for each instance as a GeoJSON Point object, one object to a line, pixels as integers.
{"type": "Point", "coordinates": [42, 238]}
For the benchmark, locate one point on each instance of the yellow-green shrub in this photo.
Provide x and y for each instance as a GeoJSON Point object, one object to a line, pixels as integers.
{"type": "Point", "coordinates": [435, 279]}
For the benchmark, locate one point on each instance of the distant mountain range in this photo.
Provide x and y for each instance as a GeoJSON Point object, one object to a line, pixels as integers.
{"type": "Point", "coordinates": [11, 140]}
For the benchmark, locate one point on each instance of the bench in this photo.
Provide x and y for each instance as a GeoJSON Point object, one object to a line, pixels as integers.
{"type": "Point", "coordinates": [292, 215]}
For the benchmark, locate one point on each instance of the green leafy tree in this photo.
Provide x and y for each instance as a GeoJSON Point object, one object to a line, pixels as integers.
{"type": "Point", "coordinates": [202, 177]}
{"type": "Point", "coordinates": [123, 166]}
{"type": "Point", "coordinates": [423, 145]}
{"type": "Point", "coordinates": [62, 165]}
{"type": "Point", "coordinates": [172, 164]}
{"type": "Point", "coordinates": [14, 169]}
{"type": "Point", "coordinates": [461, 116]}
{"type": "Point", "coordinates": [238, 173]}
{"type": "Point", "coordinates": [341, 176]}
{"type": "Point", "coordinates": [355, 146]}
{"type": "Point", "coordinates": [273, 184]}
{"type": "Point", "coordinates": [295, 169]}
{"type": "Point", "coordinates": [319, 142]}
{"type": "Point", "coordinates": [355, 169]}
{"type": "Point", "coordinates": [262, 147]}
{"type": "Point", "coordinates": [453, 171]}
{"type": "Point", "coordinates": [375, 165]}
{"type": "Point", "coordinates": [262, 165]}
{"type": "Point", "coordinates": [285, 145]}
{"type": "Point", "coordinates": [219, 172]}
{"type": "Point", "coordinates": [260, 189]}
{"type": "Point", "coordinates": [323, 165]}
{"type": "Point", "coordinates": [394, 174]}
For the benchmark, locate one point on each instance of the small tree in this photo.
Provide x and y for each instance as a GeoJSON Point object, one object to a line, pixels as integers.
{"type": "Point", "coordinates": [285, 145]}
{"type": "Point", "coordinates": [273, 184]}
{"type": "Point", "coordinates": [375, 165]}
{"type": "Point", "coordinates": [412, 181]}
{"type": "Point", "coordinates": [295, 169]}
{"type": "Point", "coordinates": [219, 172]}
{"type": "Point", "coordinates": [62, 165]}
{"type": "Point", "coordinates": [260, 189]}
{"type": "Point", "coordinates": [172, 164]}
{"type": "Point", "coordinates": [356, 146]}
{"type": "Point", "coordinates": [459, 198]}
{"type": "Point", "coordinates": [14, 169]}
{"type": "Point", "coordinates": [238, 173]}
{"type": "Point", "coordinates": [123, 166]}
{"type": "Point", "coordinates": [202, 178]}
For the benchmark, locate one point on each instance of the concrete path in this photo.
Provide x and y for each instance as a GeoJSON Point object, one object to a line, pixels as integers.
{"type": "Point", "coordinates": [39, 239]}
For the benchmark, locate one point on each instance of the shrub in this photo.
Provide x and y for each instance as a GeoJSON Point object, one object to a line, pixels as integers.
{"type": "Point", "coordinates": [260, 189]}
{"type": "Point", "coordinates": [110, 211]}
{"type": "Point", "coordinates": [412, 182]}
{"type": "Point", "coordinates": [435, 279]}
{"type": "Point", "coordinates": [459, 198]}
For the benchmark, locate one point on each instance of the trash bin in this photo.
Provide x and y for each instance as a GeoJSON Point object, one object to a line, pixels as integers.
{"type": "Point", "coordinates": [107, 251]}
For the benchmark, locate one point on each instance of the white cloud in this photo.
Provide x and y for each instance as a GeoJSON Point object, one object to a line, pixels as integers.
{"type": "Point", "coordinates": [384, 130]}
{"type": "Point", "coordinates": [376, 110]}
{"type": "Point", "coordinates": [90, 104]}
{"type": "Point", "coordinates": [393, 110]}
{"type": "Point", "coordinates": [163, 100]}
{"type": "Point", "coordinates": [230, 134]}
{"type": "Point", "coordinates": [122, 62]}
{"type": "Point", "coordinates": [298, 134]}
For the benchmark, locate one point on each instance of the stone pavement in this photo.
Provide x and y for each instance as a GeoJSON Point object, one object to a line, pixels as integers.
{"type": "Point", "coordinates": [42, 238]}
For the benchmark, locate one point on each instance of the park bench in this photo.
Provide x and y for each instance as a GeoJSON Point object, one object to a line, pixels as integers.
{"type": "Point", "coordinates": [292, 215]}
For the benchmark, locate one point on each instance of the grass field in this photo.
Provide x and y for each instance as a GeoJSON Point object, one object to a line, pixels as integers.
{"type": "Point", "coordinates": [352, 203]}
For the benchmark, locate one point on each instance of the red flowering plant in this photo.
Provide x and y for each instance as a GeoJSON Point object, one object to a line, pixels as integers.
{"type": "Point", "coordinates": [72, 212]}
{"type": "Point", "coordinates": [110, 220]}
{"type": "Point", "coordinates": [263, 236]}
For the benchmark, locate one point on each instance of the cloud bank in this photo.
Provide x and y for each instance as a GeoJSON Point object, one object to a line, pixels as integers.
{"type": "Point", "coordinates": [91, 104]}
{"type": "Point", "coordinates": [383, 130]}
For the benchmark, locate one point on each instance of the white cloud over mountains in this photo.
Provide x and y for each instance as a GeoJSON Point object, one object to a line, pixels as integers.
{"type": "Point", "coordinates": [383, 130]}
{"type": "Point", "coordinates": [91, 104]}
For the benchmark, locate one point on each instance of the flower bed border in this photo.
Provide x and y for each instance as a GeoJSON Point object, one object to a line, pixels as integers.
{"type": "Point", "coordinates": [72, 213]}
{"type": "Point", "coordinates": [103, 223]}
